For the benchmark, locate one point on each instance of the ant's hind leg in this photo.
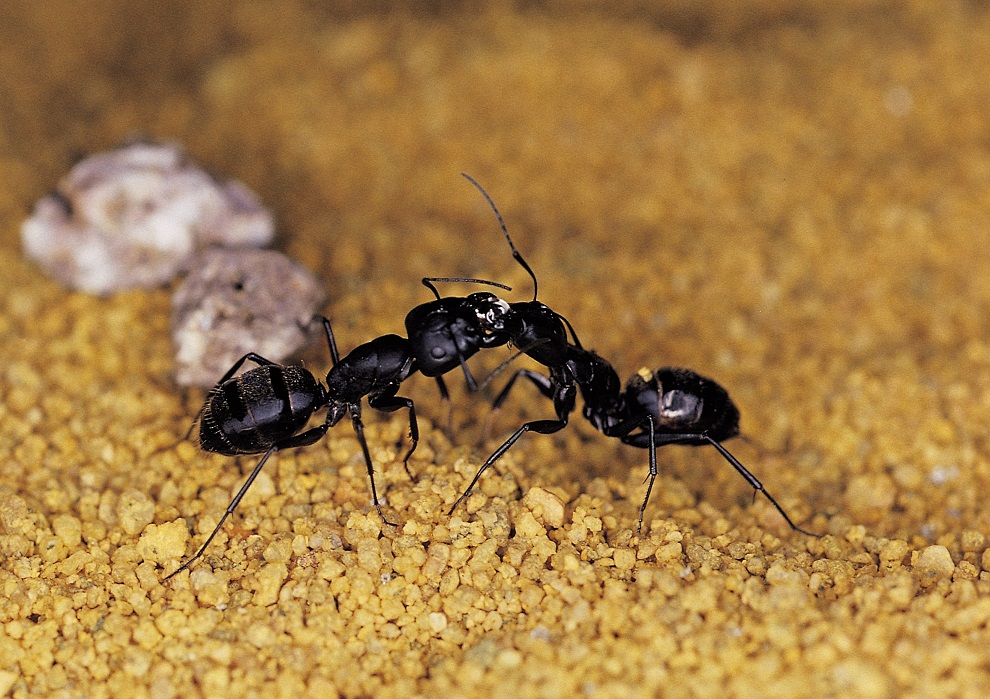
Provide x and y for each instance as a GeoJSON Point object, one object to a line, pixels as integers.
{"type": "Point", "coordinates": [755, 484]}
{"type": "Point", "coordinates": [227, 513]}
{"type": "Point", "coordinates": [331, 341]}
{"type": "Point", "coordinates": [249, 357]}
{"type": "Point", "coordinates": [701, 438]}
{"type": "Point", "coordinates": [300, 440]}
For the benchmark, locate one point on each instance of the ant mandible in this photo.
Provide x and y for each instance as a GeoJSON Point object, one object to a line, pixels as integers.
{"type": "Point", "coordinates": [264, 409]}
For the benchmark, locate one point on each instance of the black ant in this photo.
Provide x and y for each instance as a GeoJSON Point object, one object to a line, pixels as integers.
{"type": "Point", "coordinates": [669, 406]}
{"type": "Point", "coordinates": [263, 409]}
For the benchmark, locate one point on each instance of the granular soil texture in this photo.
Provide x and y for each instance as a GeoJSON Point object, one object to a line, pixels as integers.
{"type": "Point", "coordinates": [789, 197]}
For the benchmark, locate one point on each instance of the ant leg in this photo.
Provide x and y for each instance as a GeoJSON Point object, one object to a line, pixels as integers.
{"type": "Point", "coordinates": [653, 472]}
{"type": "Point", "coordinates": [445, 399]}
{"type": "Point", "coordinates": [539, 380]}
{"type": "Point", "coordinates": [172, 445]}
{"type": "Point", "coordinates": [387, 404]}
{"type": "Point", "coordinates": [757, 486]}
{"type": "Point", "coordinates": [300, 440]}
{"type": "Point", "coordinates": [540, 426]}
{"type": "Point", "coordinates": [472, 385]}
{"type": "Point", "coordinates": [694, 439]}
{"type": "Point", "coordinates": [542, 382]}
{"type": "Point", "coordinates": [249, 357]}
{"type": "Point", "coordinates": [355, 409]}
{"type": "Point", "coordinates": [577, 342]}
{"type": "Point", "coordinates": [331, 341]}
{"type": "Point", "coordinates": [229, 511]}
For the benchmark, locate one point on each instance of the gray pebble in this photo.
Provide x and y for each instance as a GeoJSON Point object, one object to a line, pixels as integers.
{"type": "Point", "coordinates": [135, 216]}
{"type": "Point", "coordinates": [239, 301]}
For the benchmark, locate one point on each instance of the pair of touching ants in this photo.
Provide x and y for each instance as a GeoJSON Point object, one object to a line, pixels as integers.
{"type": "Point", "coordinates": [268, 407]}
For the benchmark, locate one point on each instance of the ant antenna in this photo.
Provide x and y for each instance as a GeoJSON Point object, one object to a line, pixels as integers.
{"type": "Point", "coordinates": [515, 253]}
{"type": "Point", "coordinates": [428, 283]}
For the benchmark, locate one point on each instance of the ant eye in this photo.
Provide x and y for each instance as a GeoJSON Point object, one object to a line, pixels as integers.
{"type": "Point", "coordinates": [680, 406]}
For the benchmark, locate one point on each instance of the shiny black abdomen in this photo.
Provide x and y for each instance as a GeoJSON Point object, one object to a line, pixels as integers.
{"type": "Point", "coordinates": [249, 413]}
{"type": "Point", "coordinates": [718, 419]}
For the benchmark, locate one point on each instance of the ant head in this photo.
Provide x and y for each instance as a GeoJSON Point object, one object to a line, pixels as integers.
{"type": "Point", "coordinates": [490, 310]}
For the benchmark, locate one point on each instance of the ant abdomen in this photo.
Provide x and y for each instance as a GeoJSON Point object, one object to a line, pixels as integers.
{"type": "Point", "coordinates": [682, 401]}
{"type": "Point", "coordinates": [250, 413]}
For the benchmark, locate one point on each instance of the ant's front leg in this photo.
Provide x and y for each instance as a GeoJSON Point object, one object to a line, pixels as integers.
{"type": "Point", "coordinates": [543, 383]}
{"type": "Point", "coordinates": [563, 395]}
{"type": "Point", "coordinates": [540, 426]}
{"type": "Point", "coordinates": [388, 403]}
{"type": "Point", "coordinates": [449, 408]}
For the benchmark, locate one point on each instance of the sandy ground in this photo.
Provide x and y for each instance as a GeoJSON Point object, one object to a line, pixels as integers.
{"type": "Point", "coordinates": [788, 197]}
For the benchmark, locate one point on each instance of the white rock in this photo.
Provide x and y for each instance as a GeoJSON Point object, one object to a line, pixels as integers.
{"type": "Point", "coordinates": [134, 217]}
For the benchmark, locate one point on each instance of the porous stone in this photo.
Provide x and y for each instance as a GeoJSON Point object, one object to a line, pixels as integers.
{"type": "Point", "coordinates": [236, 301]}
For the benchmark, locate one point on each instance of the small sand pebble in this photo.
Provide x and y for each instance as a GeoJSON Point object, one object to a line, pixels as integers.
{"type": "Point", "coordinates": [934, 563]}
{"type": "Point", "coordinates": [134, 216]}
{"type": "Point", "coordinates": [161, 543]}
{"type": "Point", "coordinates": [546, 507]}
{"type": "Point", "coordinates": [236, 301]}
